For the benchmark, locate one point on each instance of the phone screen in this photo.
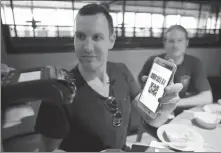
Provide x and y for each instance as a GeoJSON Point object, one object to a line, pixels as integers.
{"type": "Point", "coordinates": [154, 88]}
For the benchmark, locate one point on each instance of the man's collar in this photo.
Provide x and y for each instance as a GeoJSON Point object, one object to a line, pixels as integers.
{"type": "Point", "coordinates": [88, 77]}
{"type": "Point", "coordinates": [95, 83]}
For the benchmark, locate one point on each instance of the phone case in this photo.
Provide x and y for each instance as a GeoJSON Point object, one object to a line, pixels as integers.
{"type": "Point", "coordinates": [166, 64]}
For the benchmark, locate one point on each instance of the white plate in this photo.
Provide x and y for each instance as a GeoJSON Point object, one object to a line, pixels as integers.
{"type": "Point", "coordinates": [212, 108]}
{"type": "Point", "coordinates": [180, 129]}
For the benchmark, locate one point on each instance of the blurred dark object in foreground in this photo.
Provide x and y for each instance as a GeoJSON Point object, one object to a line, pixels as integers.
{"type": "Point", "coordinates": [215, 83]}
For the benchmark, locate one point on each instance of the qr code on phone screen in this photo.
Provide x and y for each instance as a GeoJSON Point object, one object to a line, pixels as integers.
{"type": "Point", "coordinates": [153, 89]}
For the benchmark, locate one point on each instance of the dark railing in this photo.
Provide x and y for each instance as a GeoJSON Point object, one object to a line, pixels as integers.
{"type": "Point", "coordinates": [68, 31]}
{"type": "Point", "coordinates": [41, 31]}
{"type": "Point", "coordinates": [46, 38]}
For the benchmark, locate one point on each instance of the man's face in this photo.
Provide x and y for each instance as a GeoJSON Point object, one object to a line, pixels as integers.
{"type": "Point", "coordinates": [176, 43]}
{"type": "Point", "coordinates": [92, 40]}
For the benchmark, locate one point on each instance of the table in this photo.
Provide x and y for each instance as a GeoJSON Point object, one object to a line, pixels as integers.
{"type": "Point", "coordinates": [212, 137]}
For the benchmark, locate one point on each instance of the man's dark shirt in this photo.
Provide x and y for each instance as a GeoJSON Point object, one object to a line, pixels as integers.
{"type": "Point", "coordinates": [91, 127]}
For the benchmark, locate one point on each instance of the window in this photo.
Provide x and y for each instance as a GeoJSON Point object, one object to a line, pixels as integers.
{"type": "Point", "coordinates": [190, 24]}
{"type": "Point", "coordinates": [218, 26]}
{"type": "Point", "coordinates": [142, 24]}
{"type": "Point", "coordinates": [143, 20]}
{"type": "Point", "coordinates": [201, 27]}
{"type": "Point", "coordinates": [45, 16]}
{"type": "Point", "coordinates": [114, 17]}
{"type": "Point", "coordinates": [118, 23]}
{"type": "Point", "coordinates": [129, 32]}
{"type": "Point", "coordinates": [142, 32]}
{"type": "Point", "coordinates": [118, 31]}
{"type": "Point", "coordinates": [157, 24]}
{"type": "Point", "coordinates": [157, 20]}
{"type": "Point", "coordinates": [8, 14]}
{"type": "Point", "coordinates": [146, 19]}
{"type": "Point", "coordinates": [75, 13]}
{"type": "Point", "coordinates": [157, 32]}
{"type": "Point", "coordinates": [64, 17]}
{"type": "Point", "coordinates": [52, 18]}
{"type": "Point", "coordinates": [23, 16]}
{"type": "Point", "coordinates": [129, 19]}
{"type": "Point", "coordinates": [119, 19]}
{"type": "Point", "coordinates": [61, 17]}
{"type": "Point", "coordinates": [41, 31]}
{"type": "Point", "coordinates": [172, 20]}
{"type": "Point", "coordinates": [52, 31]}
{"type": "Point", "coordinates": [211, 25]}
{"type": "Point", "coordinates": [24, 31]}
{"type": "Point", "coordinates": [12, 30]}
{"type": "Point", "coordinates": [66, 32]}
{"type": "Point", "coordinates": [3, 15]}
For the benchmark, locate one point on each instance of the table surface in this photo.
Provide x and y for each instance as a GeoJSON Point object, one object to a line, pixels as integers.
{"type": "Point", "coordinates": [212, 137]}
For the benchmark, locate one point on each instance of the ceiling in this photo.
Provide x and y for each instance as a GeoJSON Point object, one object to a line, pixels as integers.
{"type": "Point", "coordinates": [172, 7]}
{"type": "Point", "coordinates": [160, 3]}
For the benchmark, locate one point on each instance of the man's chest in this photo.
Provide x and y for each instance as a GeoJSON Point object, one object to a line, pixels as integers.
{"type": "Point", "coordinates": [89, 104]}
{"type": "Point", "coordinates": [181, 72]}
{"type": "Point", "coordinates": [89, 111]}
{"type": "Point", "coordinates": [184, 75]}
{"type": "Point", "coordinates": [92, 114]}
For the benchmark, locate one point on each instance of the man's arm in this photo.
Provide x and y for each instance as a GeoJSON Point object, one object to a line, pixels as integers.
{"type": "Point", "coordinates": [53, 126]}
{"type": "Point", "coordinates": [201, 84]}
{"type": "Point", "coordinates": [202, 98]}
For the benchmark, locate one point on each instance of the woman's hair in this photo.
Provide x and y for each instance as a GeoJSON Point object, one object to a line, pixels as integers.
{"type": "Point", "coordinates": [176, 27]}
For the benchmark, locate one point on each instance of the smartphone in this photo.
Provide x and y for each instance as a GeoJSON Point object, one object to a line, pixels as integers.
{"type": "Point", "coordinates": [160, 76]}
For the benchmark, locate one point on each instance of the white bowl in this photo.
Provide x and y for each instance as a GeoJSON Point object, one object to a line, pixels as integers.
{"type": "Point", "coordinates": [213, 108]}
{"type": "Point", "coordinates": [219, 101]}
{"type": "Point", "coordinates": [207, 120]}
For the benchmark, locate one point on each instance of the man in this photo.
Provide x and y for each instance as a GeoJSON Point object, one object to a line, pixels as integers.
{"type": "Point", "coordinates": [99, 116]}
{"type": "Point", "coordinates": [190, 72]}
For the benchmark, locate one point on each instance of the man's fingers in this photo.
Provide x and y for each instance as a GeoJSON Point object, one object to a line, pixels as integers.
{"type": "Point", "coordinates": [140, 111]}
{"type": "Point", "coordinates": [171, 60]}
{"type": "Point", "coordinates": [173, 100]}
{"type": "Point", "coordinates": [177, 87]}
{"type": "Point", "coordinates": [164, 108]}
{"type": "Point", "coordinates": [168, 97]}
{"type": "Point", "coordinates": [144, 78]}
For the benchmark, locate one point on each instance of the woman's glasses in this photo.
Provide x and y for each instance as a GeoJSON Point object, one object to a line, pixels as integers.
{"type": "Point", "coordinates": [113, 107]}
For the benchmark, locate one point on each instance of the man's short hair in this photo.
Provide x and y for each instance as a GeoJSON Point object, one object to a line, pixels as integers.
{"type": "Point", "coordinates": [177, 27]}
{"type": "Point", "coordinates": [93, 9]}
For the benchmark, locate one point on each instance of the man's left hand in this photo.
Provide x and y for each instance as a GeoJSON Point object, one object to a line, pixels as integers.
{"type": "Point", "coordinates": [171, 97]}
{"type": "Point", "coordinates": [169, 101]}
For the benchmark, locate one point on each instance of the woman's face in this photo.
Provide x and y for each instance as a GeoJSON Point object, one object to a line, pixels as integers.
{"type": "Point", "coordinates": [176, 43]}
